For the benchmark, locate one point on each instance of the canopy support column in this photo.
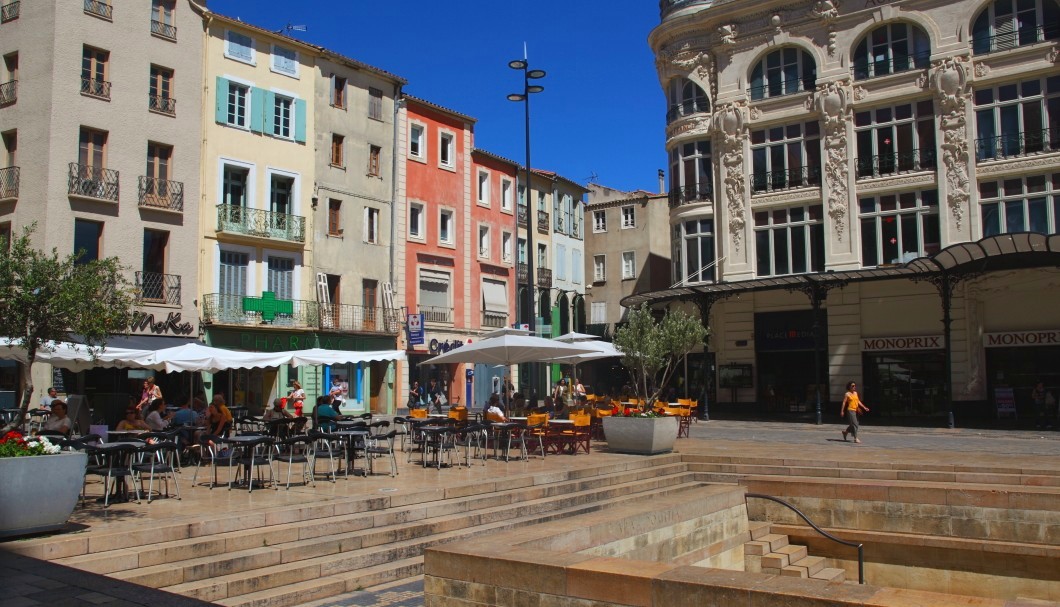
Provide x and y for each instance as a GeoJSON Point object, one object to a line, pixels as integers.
{"type": "Point", "coordinates": [705, 302]}
{"type": "Point", "coordinates": [946, 283]}
{"type": "Point", "coordinates": [817, 291]}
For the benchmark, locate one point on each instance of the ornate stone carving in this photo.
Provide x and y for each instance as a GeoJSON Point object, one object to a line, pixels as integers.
{"type": "Point", "coordinates": [729, 123]}
{"type": "Point", "coordinates": [1012, 166]}
{"type": "Point", "coordinates": [727, 34]}
{"type": "Point", "coordinates": [775, 21]}
{"type": "Point", "coordinates": [860, 93]}
{"type": "Point", "coordinates": [1053, 56]}
{"type": "Point", "coordinates": [949, 78]}
{"type": "Point", "coordinates": [755, 112]}
{"type": "Point", "coordinates": [827, 11]}
{"type": "Point", "coordinates": [810, 194]}
{"type": "Point", "coordinates": [925, 178]}
{"type": "Point", "coordinates": [689, 126]}
{"type": "Point", "coordinates": [981, 69]}
{"type": "Point", "coordinates": [833, 102]}
{"type": "Point", "coordinates": [688, 62]}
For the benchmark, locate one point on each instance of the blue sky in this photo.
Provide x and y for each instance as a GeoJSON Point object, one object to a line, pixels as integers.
{"type": "Point", "coordinates": [602, 111]}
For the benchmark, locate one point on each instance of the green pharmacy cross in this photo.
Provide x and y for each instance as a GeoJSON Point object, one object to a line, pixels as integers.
{"type": "Point", "coordinates": [268, 305]}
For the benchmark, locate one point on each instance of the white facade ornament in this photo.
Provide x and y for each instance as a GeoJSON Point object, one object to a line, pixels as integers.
{"type": "Point", "coordinates": [981, 69]}
{"type": "Point", "coordinates": [775, 21]}
{"type": "Point", "coordinates": [1053, 56]}
{"type": "Point", "coordinates": [860, 93]}
{"type": "Point", "coordinates": [755, 112]}
{"type": "Point", "coordinates": [950, 81]}
{"type": "Point", "coordinates": [833, 103]}
{"type": "Point", "coordinates": [827, 11]}
{"type": "Point", "coordinates": [727, 34]}
{"type": "Point", "coordinates": [729, 123]}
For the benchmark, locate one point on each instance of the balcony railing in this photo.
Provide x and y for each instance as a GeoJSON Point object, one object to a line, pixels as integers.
{"type": "Point", "coordinates": [780, 89]}
{"type": "Point", "coordinates": [9, 11]}
{"type": "Point", "coordinates": [155, 287]}
{"type": "Point", "coordinates": [784, 180]}
{"type": "Point", "coordinates": [161, 194]}
{"type": "Point", "coordinates": [93, 182]}
{"type": "Point", "coordinates": [260, 223]}
{"type": "Point", "coordinates": [521, 213]}
{"type": "Point", "coordinates": [681, 110]}
{"type": "Point", "coordinates": [95, 88]}
{"type": "Point", "coordinates": [891, 164]}
{"type": "Point", "coordinates": [542, 222]}
{"type": "Point", "coordinates": [982, 45]}
{"type": "Point", "coordinates": [1017, 144]}
{"type": "Point", "coordinates": [520, 273]}
{"type": "Point", "coordinates": [8, 183]}
{"type": "Point", "coordinates": [436, 314]}
{"type": "Point", "coordinates": [543, 278]}
{"type": "Point", "coordinates": [691, 194]}
{"type": "Point", "coordinates": [8, 92]}
{"type": "Point", "coordinates": [165, 105]}
{"type": "Point", "coordinates": [864, 68]}
{"type": "Point", "coordinates": [225, 309]}
{"type": "Point", "coordinates": [494, 320]}
{"type": "Point", "coordinates": [164, 29]}
{"type": "Point", "coordinates": [99, 9]}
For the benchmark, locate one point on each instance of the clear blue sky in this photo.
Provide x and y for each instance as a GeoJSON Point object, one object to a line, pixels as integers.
{"type": "Point", "coordinates": [602, 110]}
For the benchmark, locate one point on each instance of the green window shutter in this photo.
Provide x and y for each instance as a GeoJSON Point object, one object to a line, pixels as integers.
{"type": "Point", "coordinates": [299, 120]}
{"type": "Point", "coordinates": [222, 101]}
{"type": "Point", "coordinates": [268, 110]}
{"type": "Point", "coordinates": [257, 108]}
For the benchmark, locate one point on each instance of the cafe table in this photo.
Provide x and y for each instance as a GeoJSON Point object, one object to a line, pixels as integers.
{"type": "Point", "coordinates": [432, 440]}
{"type": "Point", "coordinates": [349, 441]}
{"type": "Point", "coordinates": [238, 446]}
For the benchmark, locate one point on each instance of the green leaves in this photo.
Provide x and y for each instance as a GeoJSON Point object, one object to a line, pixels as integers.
{"type": "Point", "coordinates": [653, 348]}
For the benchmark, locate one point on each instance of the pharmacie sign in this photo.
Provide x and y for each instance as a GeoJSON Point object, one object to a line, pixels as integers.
{"type": "Point", "coordinates": [1010, 339]}
{"type": "Point", "coordinates": [897, 344]}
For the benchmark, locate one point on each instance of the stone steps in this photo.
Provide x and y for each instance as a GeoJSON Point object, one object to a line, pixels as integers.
{"type": "Point", "coordinates": [772, 553]}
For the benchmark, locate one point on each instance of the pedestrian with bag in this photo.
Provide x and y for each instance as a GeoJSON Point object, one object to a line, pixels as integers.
{"type": "Point", "coordinates": [851, 408]}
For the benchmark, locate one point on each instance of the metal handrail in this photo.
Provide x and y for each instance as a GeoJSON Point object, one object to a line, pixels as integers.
{"type": "Point", "coordinates": [1009, 145]}
{"type": "Point", "coordinates": [95, 88]}
{"type": "Point", "coordinates": [9, 182]}
{"type": "Point", "coordinates": [690, 194]}
{"type": "Point", "coordinates": [687, 108]}
{"type": "Point", "coordinates": [542, 221]}
{"type": "Point", "coordinates": [860, 547]}
{"type": "Point", "coordinates": [9, 92]}
{"type": "Point", "coordinates": [871, 68]}
{"type": "Point", "coordinates": [97, 7]}
{"type": "Point", "coordinates": [897, 162]}
{"type": "Point", "coordinates": [802, 85]}
{"type": "Point", "coordinates": [983, 45]}
{"type": "Point", "coordinates": [668, 6]}
{"type": "Point", "coordinates": [800, 177]}
{"type": "Point", "coordinates": [164, 29]}
{"type": "Point", "coordinates": [162, 103]}
{"type": "Point", "coordinates": [9, 11]}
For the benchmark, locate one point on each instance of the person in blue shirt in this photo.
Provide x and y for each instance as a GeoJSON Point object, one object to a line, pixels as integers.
{"type": "Point", "coordinates": [187, 418]}
{"type": "Point", "coordinates": [325, 414]}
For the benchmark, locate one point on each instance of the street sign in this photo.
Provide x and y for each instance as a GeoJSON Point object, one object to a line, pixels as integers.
{"type": "Point", "coordinates": [415, 325]}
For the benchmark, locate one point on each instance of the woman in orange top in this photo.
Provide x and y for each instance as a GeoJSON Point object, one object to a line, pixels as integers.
{"type": "Point", "coordinates": [852, 405]}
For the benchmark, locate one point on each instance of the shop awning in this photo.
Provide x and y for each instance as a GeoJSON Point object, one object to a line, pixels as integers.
{"type": "Point", "coordinates": [494, 297]}
{"type": "Point", "coordinates": [320, 356]}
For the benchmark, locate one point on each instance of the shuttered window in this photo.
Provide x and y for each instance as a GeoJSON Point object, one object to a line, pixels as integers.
{"type": "Point", "coordinates": [232, 277]}
{"type": "Point", "coordinates": [281, 277]}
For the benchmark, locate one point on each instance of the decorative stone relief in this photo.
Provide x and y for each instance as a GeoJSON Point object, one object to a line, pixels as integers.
{"type": "Point", "coordinates": [688, 62]}
{"type": "Point", "coordinates": [729, 123]}
{"type": "Point", "coordinates": [860, 93]}
{"type": "Point", "coordinates": [949, 78]}
{"type": "Point", "coordinates": [981, 69]}
{"type": "Point", "coordinates": [1053, 56]}
{"type": "Point", "coordinates": [827, 11]}
{"type": "Point", "coordinates": [689, 126]}
{"type": "Point", "coordinates": [727, 34]}
{"type": "Point", "coordinates": [833, 102]}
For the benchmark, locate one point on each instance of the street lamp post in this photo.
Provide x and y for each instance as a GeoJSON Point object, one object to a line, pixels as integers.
{"type": "Point", "coordinates": [528, 308]}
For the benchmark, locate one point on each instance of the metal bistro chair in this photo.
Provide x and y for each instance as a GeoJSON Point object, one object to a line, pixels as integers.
{"type": "Point", "coordinates": [473, 437]}
{"type": "Point", "coordinates": [208, 455]}
{"type": "Point", "coordinates": [379, 446]}
{"type": "Point", "coordinates": [250, 457]}
{"type": "Point", "coordinates": [296, 450]}
{"type": "Point", "coordinates": [158, 458]}
{"type": "Point", "coordinates": [401, 426]}
{"type": "Point", "coordinates": [117, 462]}
{"type": "Point", "coordinates": [326, 446]}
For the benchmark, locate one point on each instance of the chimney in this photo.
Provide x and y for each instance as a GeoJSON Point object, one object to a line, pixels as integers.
{"type": "Point", "coordinates": [662, 182]}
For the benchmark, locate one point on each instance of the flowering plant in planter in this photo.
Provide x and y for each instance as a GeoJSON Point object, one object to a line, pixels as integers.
{"type": "Point", "coordinates": [14, 444]}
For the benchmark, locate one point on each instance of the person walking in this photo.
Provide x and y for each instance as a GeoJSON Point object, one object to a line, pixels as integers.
{"type": "Point", "coordinates": [852, 406]}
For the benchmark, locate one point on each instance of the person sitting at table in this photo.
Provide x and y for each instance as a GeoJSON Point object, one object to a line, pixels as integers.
{"type": "Point", "coordinates": [49, 398]}
{"type": "Point", "coordinates": [559, 410]}
{"type": "Point", "coordinates": [132, 421]}
{"type": "Point", "coordinates": [186, 419]}
{"type": "Point", "coordinates": [218, 417]}
{"type": "Point", "coordinates": [278, 410]}
{"type": "Point", "coordinates": [58, 421]}
{"type": "Point", "coordinates": [494, 413]}
{"type": "Point", "coordinates": [324, 415]}
{"type": "Point", "coordinates": [155, 418]}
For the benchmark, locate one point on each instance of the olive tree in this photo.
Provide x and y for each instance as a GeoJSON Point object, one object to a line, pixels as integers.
{"type": "Point", "coordinates": [652, 349]}
{"type": "Point", "coordinates": [46, 298]}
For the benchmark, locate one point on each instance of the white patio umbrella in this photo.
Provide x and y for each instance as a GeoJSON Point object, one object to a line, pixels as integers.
{"type": "Point", "coordinates": [574, 336]}
{"type": "Point", "coordinates": [509, 347]}
{"type": "Point", "coordinates": [320, 356]}
{"type": "Point", "coordinates": [198, 357]}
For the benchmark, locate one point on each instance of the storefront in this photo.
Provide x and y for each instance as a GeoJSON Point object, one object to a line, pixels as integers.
{"type": "Point", "coordinates": [903, 377]}
{"type": "Point", "coordinates": [1015, 362]}
{"type": "Point", "coordinates": [784, 354]}
{"type": "Point", "coordinates": [450, 377]}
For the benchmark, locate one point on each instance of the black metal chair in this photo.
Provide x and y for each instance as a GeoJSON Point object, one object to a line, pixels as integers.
{"type": "Point", "coordinates": [326, 445]}
{"type": "Point", "coordinates": [117, 460]}
{"type": "Point", "coordinates": [208, 455]}
{"type": "Point", "coordinates": [296, 450]}
{"type": "Point", "coordinates": [159, 458]}
{"type": "Point", "coordinates": [401, 425]}
{"type": "Point", "coordinates": [250, 457]}
{"type": "Point", "coordinates": [379, 446]}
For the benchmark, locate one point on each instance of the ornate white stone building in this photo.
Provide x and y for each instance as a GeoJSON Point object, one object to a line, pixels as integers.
{"type": "Point", "coordinates": [843, 175]}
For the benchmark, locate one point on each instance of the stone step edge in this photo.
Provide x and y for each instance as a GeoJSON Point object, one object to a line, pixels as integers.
{"type": "Point", "coordinates": [1005, 480]}
{"type": "Point", "coordinates": [919, 484]}
{"type": "Point", "coordinates": [699, 458]}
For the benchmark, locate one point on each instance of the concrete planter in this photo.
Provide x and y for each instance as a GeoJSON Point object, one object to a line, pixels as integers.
{"type": "Point", "coordinates": [640, 435]}
{"type": "Point", "coordinates": [38, 493]}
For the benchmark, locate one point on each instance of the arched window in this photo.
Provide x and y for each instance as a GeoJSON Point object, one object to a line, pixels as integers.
{"type": "Point", "coordinates": [563, 303]}
{"type": "Point", "coordinates": [685, 97]}
{"type": "Point", "coordinates": [1008, 24]}
{"type": "Point", "coordinates": [579, 314]}
{"type": "Point", "coordinates": [783, 72]}
{"type": "Point", "coordinates": [889, 49]}
{"type": "Point", "coordinates": [691, 175]}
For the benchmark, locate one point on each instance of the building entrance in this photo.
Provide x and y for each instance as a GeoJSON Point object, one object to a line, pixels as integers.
{"type": "Point", "coordinates": [784, 353]}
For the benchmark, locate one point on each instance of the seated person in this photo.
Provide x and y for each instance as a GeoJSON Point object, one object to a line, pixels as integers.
{"type": "Point", "coordinates": [218, 417]}
{"type": "Point", "coordinates": [278, 410]}
{"type": "Point", "coordinates": [185, 416]}
{"type": "Point", "coordinates": [156, 418]}
{"type": "Point", "coordinates": [58, 421]}
{"type": "Point", "coordinates": [49, 398]}
{"type": "Point", "coordinates": [559, 410]}
{"type": "Point", "coordinates": [325, 415]}
{"type": "Point", "coordinates": [494, 413]}
{"type": "Point", "coordinates": [132, 421]}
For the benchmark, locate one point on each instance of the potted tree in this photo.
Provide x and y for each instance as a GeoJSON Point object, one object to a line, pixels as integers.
{"type": "Point", "coordinates": [651, 352]}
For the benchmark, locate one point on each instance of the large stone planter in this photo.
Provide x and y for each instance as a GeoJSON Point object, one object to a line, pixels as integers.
{"type": "Point", "coordinates": [640, 435]}
{"type": "Point", "coordinates": [38, 493]}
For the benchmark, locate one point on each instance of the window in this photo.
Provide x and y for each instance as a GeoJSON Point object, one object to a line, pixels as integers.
{"type": "Point", "coordinates": [417, 148]}
{"type": "Point", "coordinates": [446, 230]}
{"type": "Point", "coordinates": [484, 188]}
{"type": "Point", "coordinates": [280, 276]}
{"type": "Point", "coordinates": [561, 262]}
{"type": "Point", "coordinates": [92, 179]}
{"type": "Point", "coordinates": [629, 217]}
{"type": "Point", "coordinates": [1017, 119]}
{"type": "Point", "coordinates": [783, 72]}
{"type": "Point", "coordinates": [484, 242]}
{"type": "Point", "coordinates": [375, 103]}
{"type": "Point", "coordinates": [890, 49]}
{"type": "Point", "coordinates": [10, 141]}
{"type": "Point", "coordinates": [281, 197]}
{"type": "Point", "coordinates": [522, 195]}
{"type": "Point", "coordinates": [786, 157]}
{"type": "Point", "coordinates": [284, 60]}
{"type": "Point", "coordinates": [685, 97]}
{"type": "Point", "coordinates": [239, 47]}
{"type": "Point", "coordinates": [446, 150]}
{"type": "Point", "coordinates": [334, 217]}
{"type": "Point", "coordinates": [434, 295]}
{"type": "Point", "coordinates": [416, 225]}
{"type": "Point", "coordinates": [789, 241]}
{"type": "Point", "coordinates": [234, 189]}
{"type": "Point", "coordinates": [281, 116]}
{"type": "Point", "coordinates": [542, 256]}
{"type": "Point", "coordinates": [521, 252]}
{"type": "Point", "coordinates": [599, 268]}
{"type": "Point", "coordinates": [898, 228]}
{"type": "Point", "coordinates": [369, 293]}
{"type": "Point", "coordinates": [598, 312]}
{"type": "Point", "coordinates": [374, 152]}
{"type": "Point", "coordinates": [92, 148]}
{"type": "Point", "coordinates": [337, 157]}
{"type": "Point", "coordinates": [693, 251]}
{"type": "Point", "coordinates": [577, 270]}
{"type": "Point", "coordinates": [232, 273]}
{"type": "Point", "coordinates": [1009, 24]}
{"type": "Point", "coordinates": [599, 221]}
{"type": "Point", "coordinates": [160, 90]}
{"type": "Point", "coordinates": [1021, 204]}
{"type": "Point", "coordinates": [99, 8]}
{"type": "Point", "coordinates": [152, 280]}
{"type": "Point", "coordinates": [629, 265]}
{"type": "Point", "coordinates": [237, 105]}
{"type": "Point", "coordinates": [162, 18]}
{"type": "Point", "coordinates": [94, 72]}
{"type": "Point", "coordinates": [159, 159]}
{"type": "Point", "coordinates": [691, 173]}
{"type": "Point", "coordinates": [895, 139]}
{"type": "Point", "coordinates": [371, 225]}
{"type": "Point", "coordinates": [87, 240]}
{"type": "Point", "coordinates": [506, 247]}
{"type": "Point", "coordinates": [494, 303]}
{"type": "Point", "coordinates": [9, 80]}
{"type": "Point", "coordinates": [338, 92]}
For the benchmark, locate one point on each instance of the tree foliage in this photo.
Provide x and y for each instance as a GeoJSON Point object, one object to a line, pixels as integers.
{"type": "Point", "coordinates": [47, 298]}
{"type": "Point", "coordinates": [652, 349]}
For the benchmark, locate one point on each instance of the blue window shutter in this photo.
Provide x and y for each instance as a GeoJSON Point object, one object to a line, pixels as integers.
{"type": "Point", "coordinates": [257, 108]}
{"type": "Point", "coordinates": [299, 120]}
{"type": "Point", "coordinates": [268, 110]}
{"type": "Point", "coordinates": [222, 101]}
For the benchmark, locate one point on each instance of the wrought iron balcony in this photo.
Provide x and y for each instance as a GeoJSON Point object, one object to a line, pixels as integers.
{"type": "Point", "coordinates": [542, 222]}
{"type": "Point", "coordinates": [772, 181]}
{"type": "Point", "coordinates": [543, 278]}
{"type": "Point", "coordinates": [164, 105]}
{"type": "Point", "coordinates": [155, 287]}
{"type": "Point", "coordinates": [225, 309]}
{"type": "Point", "coordinates": [771, 90]}
{"type": "Point", "coordinates": [864, 68]}
{"type": "Point", "coordinates": [9, 183]}
{"type": "Point", "coordinates": [99, 8]}
{"type": "Point", "coordinates": [8, 92]}
{"type": "Point", "coordinates": [1013, 145]}
{"type": "Point", "coordinates": [161, 194]}
{"type": "Point", "coordinates": [93, 182]}
{"type": "Point", "coordinates": [687, 108]}
{"type": "Point", "coordinates": [10, 11]}
{"type": "Point", "coordinates": [521, 271]}
{"type": "Point", "coordinates": [891, 164]}
{"type": "Point", "coordinates": [164, 29]}
{"type": "Point", "coordinates": [260, 223]}
{"type": "Point", "coordinates": [436, 314]}
{"type": "Point", "coordinates": [494, 320]}
{"type": "Point", "coordinates": [95, 88]}
{"type": "Point", "coordinates": [691, 194]}
{"type": "Point", "coordinates": [982, 45]}
{"type": "Point", "coordinates": [521, 212]}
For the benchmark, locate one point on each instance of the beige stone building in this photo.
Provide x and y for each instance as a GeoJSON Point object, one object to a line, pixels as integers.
{"type": "Point", "coordinates": [822, 147]}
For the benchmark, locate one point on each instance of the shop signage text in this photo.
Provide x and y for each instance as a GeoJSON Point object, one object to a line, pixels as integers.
{"type": "Point", "coordinates": [1010, 339]}
{"type": "Point", "coordinates": [146, 323]}
{"type": "Point", "coordinates": [890, 344]}
{"type": "Point", "coordinates": [438, 347]}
